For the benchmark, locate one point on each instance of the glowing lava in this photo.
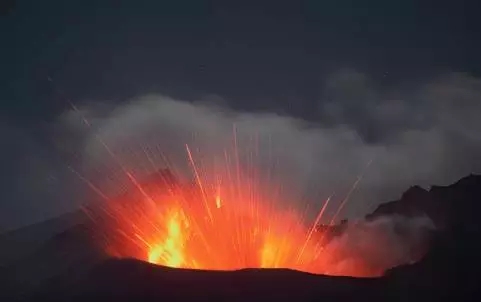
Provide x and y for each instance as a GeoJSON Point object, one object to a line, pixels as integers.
{"type": "Point", "coordinates": [170, 252]}
{"type": "Point", "coordinates": [216, 225]}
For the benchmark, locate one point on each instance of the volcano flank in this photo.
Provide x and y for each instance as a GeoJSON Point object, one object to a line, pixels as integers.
{"type": "Point", "coordinates": [71, 266]}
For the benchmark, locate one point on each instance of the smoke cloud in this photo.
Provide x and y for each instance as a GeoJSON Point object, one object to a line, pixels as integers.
{"type": "Point", "coordinates": [372, 247]}
{"type": "Point", "coordinates": [427, 134]}
{"type": "Point", "coordinates": [431, 138]}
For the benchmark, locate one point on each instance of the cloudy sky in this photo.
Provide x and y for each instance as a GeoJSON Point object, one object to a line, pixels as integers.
{"type": "Point", "coordinates": [332, 84]}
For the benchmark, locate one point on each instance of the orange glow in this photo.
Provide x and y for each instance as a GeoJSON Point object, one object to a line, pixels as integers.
{"type": "Point", "coordinates": [170, 252]}
{"type": "Point", "coordinates": [195, 226]}
{"type": "Point", "coordinates": [218, 202]}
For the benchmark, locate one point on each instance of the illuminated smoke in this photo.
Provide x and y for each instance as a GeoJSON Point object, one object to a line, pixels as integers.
{"type": "Point", "coordinates": [279, 155]}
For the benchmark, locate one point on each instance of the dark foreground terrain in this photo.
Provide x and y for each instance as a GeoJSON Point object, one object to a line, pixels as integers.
{"type": "Point", "coordinates": [68, 268]}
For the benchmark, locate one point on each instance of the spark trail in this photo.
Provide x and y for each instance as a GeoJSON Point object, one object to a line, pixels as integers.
{"type": "Point", "coordinates": [231, 223]}
{"type": "Point", "coordinates": [226, 224]}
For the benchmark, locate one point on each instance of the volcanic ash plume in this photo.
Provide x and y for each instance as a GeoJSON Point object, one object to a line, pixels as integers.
{"type": "Point", "coordinates": [233, 200]}
{"type": "Point", "coordinates": [380, 244]}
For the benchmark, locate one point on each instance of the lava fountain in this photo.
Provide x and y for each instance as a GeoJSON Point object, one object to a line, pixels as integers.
{"type": "Point", "coordinates": [224, 220]}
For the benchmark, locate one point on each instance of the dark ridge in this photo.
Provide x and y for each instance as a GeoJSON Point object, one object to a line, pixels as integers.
{"type": "Point", "coordinates": [449, 271]}
{"type": "Point", "coordinates": [443, 204]}
{"type": "Point", "coordinates": [414, 202]}
{"type": "Point", "coordinates": [452, 265]}
{"type": "Point", "coordinates": [24, 241]}
{"type": "Point", "coordinates": [129, 280]}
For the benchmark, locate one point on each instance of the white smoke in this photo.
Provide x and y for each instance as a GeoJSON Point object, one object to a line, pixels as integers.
{"type": "Point", "coordinates": [377, 245]}
{"type": "Point", "coordinates": [141, 134]}
{"type": "Point", "coordinates": [428, 135]}
{"type": "Point", "coordinates": [313, 160]}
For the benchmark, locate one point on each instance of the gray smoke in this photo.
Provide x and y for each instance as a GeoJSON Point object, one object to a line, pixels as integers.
{"type": "Point", "coordinates": [373, 247]}
{"type": "Point", "coordinates": [427, 134]}
{"type": "Point", "coordinates": [435, 140]}
{"type": "Point", "coordinates": [431, 138]}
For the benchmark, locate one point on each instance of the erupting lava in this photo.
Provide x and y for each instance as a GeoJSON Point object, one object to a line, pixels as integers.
{"type": "Point", "coordinates": [225, 222]}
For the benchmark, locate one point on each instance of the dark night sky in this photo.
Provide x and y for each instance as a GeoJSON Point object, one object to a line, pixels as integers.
{"type": "Point", "coordinates": [269, 56]}
{"type": "Point", "coordinates": [280, 50]}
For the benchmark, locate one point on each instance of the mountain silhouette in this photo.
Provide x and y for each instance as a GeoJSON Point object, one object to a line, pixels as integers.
{"type": "Point", "coordinates": [69, 268]}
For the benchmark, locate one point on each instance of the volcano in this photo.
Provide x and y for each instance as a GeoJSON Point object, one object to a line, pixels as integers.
{"type": "Point", "coordinates": [232, 225]}
{"type": "Point", "coordinates": [167, 222]}
{"type": "Point", "coordinates": [71, 266]}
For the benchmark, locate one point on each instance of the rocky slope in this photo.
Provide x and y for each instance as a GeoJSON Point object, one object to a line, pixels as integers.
{"type": "Point", "coordinates": [69, 268]}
